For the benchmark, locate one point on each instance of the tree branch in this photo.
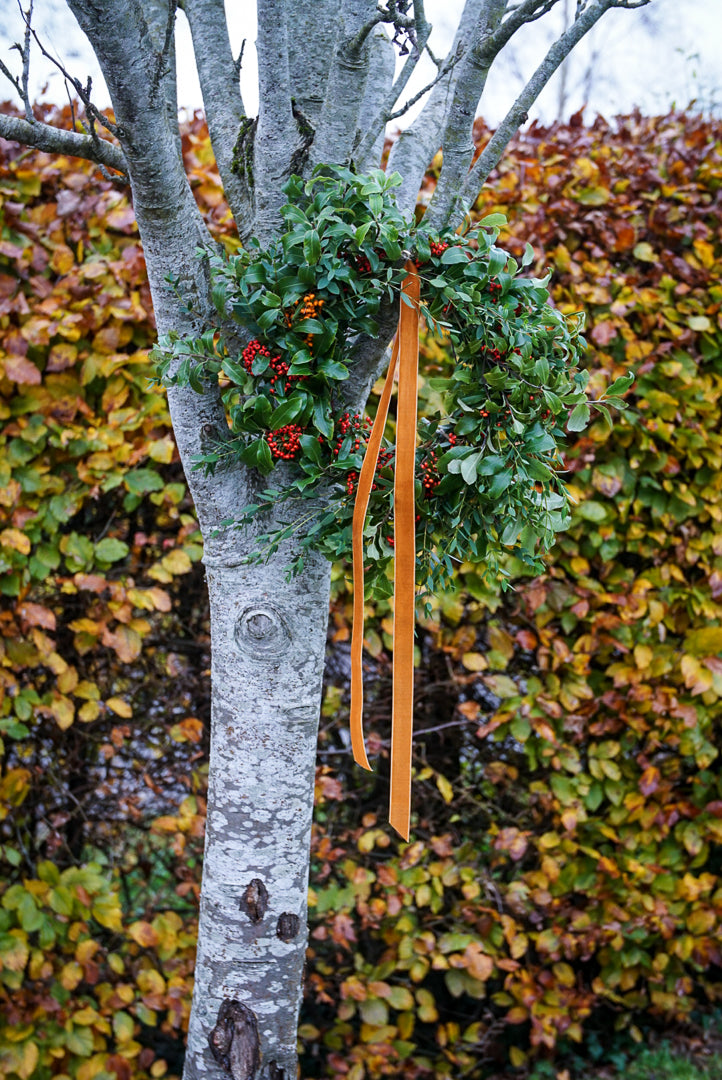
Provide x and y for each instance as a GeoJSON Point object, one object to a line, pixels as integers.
{"type": "Point", "coordinates": [346, 85]}
{"type": "Point", "coordinates": [311, 41]}
{"type": "Point", "coordinates": [416, 146]}
{"type": "Point", "coordinates": [218, 73]}
{"type": "Point", "coordinates": [445, 69]}
{"type": "Point", "coordinates": [382, 65]}
{"type": "Point", "coordinates": [276, 136]}
{"type": "Point", "coordinates": [457, 136]}
{"type": "Point", "coordinates": [55, 140]}
{"type": "Point", "coordinates": [13, 79]}
{"type": "Point", "coordinates": [28, 16]}
{"type": "Point", "coordinates": [422, 29]}
{"type": "Point", "coordinates": [518, 113]}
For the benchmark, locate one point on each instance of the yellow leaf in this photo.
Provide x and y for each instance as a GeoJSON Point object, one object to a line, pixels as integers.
{"type": "Point", "coordinates": [143, 933]}
{"type": "Point", "coordinates": [517, 1057]}
{"type": "Point", "coordinates": [161, 450]}
{"type": "Point", "coordinates": [447, 792]}
{"type": "Point", "coordinates": [18, 541]}
{"type": "Point", "coordinates": [697, 678]}
{"type": "Point", "coordinates": [63, 711]}
{"type": "Point", "coordinates": [120, 707]}
{"type": "Point", "coordinates": [176, 562]}
{"type": "Point", "coordinates": [706, 641]}
{"type": "Point", "coordinates": [643, 656]}
{"type": "Point", "coordinates": [89, 711]}
{"type": "Point", "coordinates": [71, 975]}
{"type": "Point", "coordinates": [474, 661]}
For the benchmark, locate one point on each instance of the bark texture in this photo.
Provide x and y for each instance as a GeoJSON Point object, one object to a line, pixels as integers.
{"type": "Point", "coordinates": [269, 641]}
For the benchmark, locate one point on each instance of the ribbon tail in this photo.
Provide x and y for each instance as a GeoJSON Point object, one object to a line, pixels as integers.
{"type": "Point", "coordinates": [404, 559]}
{"type": "Point", "coordinates": [365, 480]}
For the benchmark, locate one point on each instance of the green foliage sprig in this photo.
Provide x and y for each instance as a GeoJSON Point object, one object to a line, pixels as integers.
{"type": "Point", "coordinates": [487, 467]}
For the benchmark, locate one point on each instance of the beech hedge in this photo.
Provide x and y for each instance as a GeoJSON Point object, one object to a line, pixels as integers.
{"type": "Point", "coordinates": [562, 888]}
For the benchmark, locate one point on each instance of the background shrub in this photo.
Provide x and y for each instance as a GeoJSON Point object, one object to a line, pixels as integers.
{"type": "Point", "coordinates": [562, 889]}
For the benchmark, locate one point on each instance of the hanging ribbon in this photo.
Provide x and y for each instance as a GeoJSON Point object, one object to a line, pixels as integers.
{"type": "Point", "coordinates": [406, 353]}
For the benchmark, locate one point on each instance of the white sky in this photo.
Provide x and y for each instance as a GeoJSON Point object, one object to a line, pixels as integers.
{"type": "Point", "coordinates": [624, 62]}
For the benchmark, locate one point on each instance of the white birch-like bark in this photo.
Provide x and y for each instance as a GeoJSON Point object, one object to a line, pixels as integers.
{"type": "Point", "coordinates": [268, 636]}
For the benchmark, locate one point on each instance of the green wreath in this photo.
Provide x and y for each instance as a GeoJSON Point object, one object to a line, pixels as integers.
{"type": "Point", "coordinates": [488, 480]}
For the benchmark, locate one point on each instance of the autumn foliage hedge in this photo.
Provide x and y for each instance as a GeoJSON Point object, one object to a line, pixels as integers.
{"type": "Point", "coordinates": [563, 884]}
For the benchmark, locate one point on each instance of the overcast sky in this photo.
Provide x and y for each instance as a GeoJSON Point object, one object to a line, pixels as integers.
{"type": "Point", "coordinates": [664, 54]}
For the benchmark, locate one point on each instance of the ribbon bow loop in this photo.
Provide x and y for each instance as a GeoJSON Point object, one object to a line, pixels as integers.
{"type": "Point", "coordinates": [405, 353]}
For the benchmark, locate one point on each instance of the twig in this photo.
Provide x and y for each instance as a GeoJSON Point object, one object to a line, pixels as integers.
{"type": "Point", "coordinates": [83, 92]}
{"type": "Point", "coordinates": [6, 71]}
{"type": "Point", "coordinates": [26, 62]}
{"type": "Point", "coordinates": [162, 67]}
{"type": "Point", "coordinates": [422, 30]}
{"type": "Point", "coordinates": [239, 61]}
{"type": "Point", "coordinates": [448, 66]}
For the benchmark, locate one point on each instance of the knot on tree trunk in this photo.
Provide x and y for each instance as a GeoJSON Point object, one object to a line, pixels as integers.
{"type": "Point", "coordinates": [234, 1040]}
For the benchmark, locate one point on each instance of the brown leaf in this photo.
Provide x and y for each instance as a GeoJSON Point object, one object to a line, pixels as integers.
{"type": "Point", "coordinates": [19, 370]}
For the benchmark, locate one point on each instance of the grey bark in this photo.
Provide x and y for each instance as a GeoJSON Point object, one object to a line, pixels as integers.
{"type": "Point", "coordinates": [219, 77]}
{"type": "Point", "coordinates": [268, 636]}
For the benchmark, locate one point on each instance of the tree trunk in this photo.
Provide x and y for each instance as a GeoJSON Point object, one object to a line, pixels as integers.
{"type": "Point", "coordinates": [268, 645]}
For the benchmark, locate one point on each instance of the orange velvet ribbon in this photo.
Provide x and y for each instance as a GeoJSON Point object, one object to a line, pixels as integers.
{"type": "Point", "coordinates": [406, 353]}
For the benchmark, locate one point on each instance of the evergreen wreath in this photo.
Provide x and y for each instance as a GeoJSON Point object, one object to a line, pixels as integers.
{"type": "Point", "coordinates": [488, 481]}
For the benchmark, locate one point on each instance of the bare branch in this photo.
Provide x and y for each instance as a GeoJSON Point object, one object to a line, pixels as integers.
{"type": "Point", "coordinates": [276, 135]}
{"type": "Point", "coordinates": [518, 113]}
{"type": "Point", "coordinates": [165, 53]}
{"type": "Point", "coordinates": [448, 65]}
{"type": "Point", "coordinates": [422, 32]}
{"type": "Point", "coordinates": [83, 92]}
{"type": "Point", "coordinates": [9, 75]}
{"type": "Point", "coordinates": [55, 140]}
{"type": "Point", "coordinates": [219, 76]}
{"type": "Point", "coordinates": [414, 148]}
{"type": "Point", "coordinates": [337, 124]}
{"type": "Point", "coordinates": [26, 62]}
{"type": "Point", "coordinates": [382, 65]}
{"type": "Point", "coordinates": [456, 138]}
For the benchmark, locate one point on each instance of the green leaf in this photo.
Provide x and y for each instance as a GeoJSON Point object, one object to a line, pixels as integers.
{"type": "Point", "coordinates": [579, 418]}
{"type": "Point", "coordinates": [455, 254]}
{"type": "Point", "coordinates": [312, 247]}
{"type": "Point", "coordinates": [267, 318]}
{"type": "Point", "coordinates": [499, 482]}
{"type": "Point", "coordinates": [141, 481]}
{"type": "Point", "coordinates": [111, 550]}
{"type": "Point", "coordinates": [287, 411]}
{"type": "Point", "coordinates": [468, 467]}
{"type": "Point", "coordinates": [493, 221]}
{"type": "Point", "coordinates": [332, 369]}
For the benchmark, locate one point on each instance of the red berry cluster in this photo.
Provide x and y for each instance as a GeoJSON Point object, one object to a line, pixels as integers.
{"type": "Point", "coordinates": [430, 478]}
{"type": "Point", "coordinates": [252, 350]}
{"type": "Point", "coordinates": [385, 458]}
{"type": "Point", "coordinates": [453, 439]}
{"type": "Point", "coordinates": [494, 289]}
{"type": "Point", "coordinates": [357, 426]}
{"type": "Point", "coordinates": [437, 247]}
{"type": "Point", "coordinates": [505, 417]}
{"type": "Point", "coordinates": [493, 353]}
{"type": "Point", "coordinates": [286, 442]}
{"type": "Point", "coordinates": [362, 264]}
{"type": "Point", "coordinates": [278, 366]}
